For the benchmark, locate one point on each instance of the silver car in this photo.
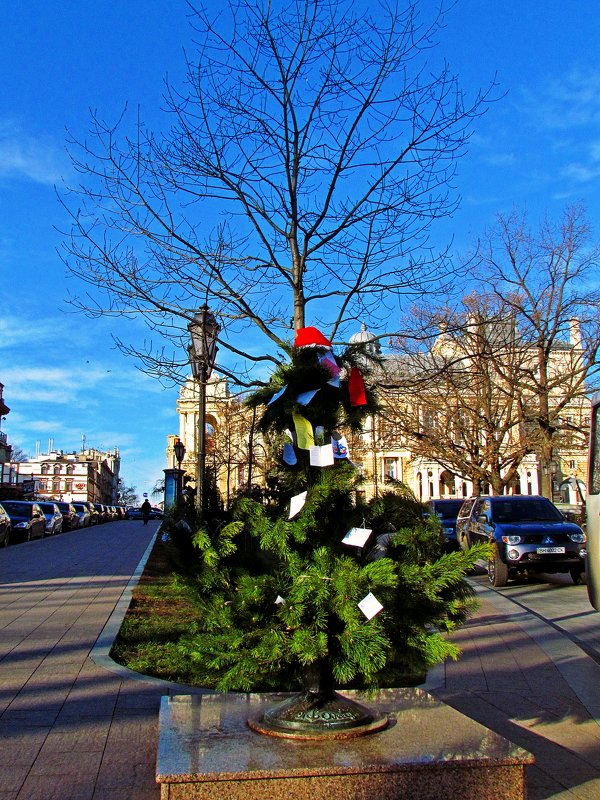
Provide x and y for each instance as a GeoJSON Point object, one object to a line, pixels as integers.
{"type": "Point", "coordinates": [54, 518]}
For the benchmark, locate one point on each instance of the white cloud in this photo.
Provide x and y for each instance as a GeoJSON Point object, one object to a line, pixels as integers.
{"type": "Point", "coordinates": [26, 156]}
{"type": "Point", "coordinates": [16, 331]}
{"type": "Point", "coordinates": [571, 99]}
{"type": "Point", "coordinates": [582, 173]}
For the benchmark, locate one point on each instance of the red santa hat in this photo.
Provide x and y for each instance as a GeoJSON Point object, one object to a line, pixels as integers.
{"type": "Point", "coordinates": [311, 337]}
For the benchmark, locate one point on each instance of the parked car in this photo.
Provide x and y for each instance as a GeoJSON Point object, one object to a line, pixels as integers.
{"type": "Point", "coordinates": [5, 527]}
{"type": "Point", "coordinates": [26, 518]}
{"type": "Point", "coordinates": [156, 513]}
{"type": "Point", "coordinates": [447, 510]}
{"type": "Point", "coordinates": [94, 515]}
{"type": "Point", "coordinates": [102, 512]}
{"type": "Point", "coordinates": [134, 513]}
{"type": "Point", "coordinates": [69, 515]}
{"type": "Point", "coordinates": [529, 535]}
{"type": "Point", "coordinates": [54, 518]}
{"type": "Point", "coordinates": [83, 514]}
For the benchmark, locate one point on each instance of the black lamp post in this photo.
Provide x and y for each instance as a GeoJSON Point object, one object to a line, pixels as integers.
{"type": "Point", "coordinates": [179, 449]}
{"type": "Point", "coordinates": [204, 330]}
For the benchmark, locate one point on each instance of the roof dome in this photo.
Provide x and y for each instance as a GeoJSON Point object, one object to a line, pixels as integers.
{"type": "Point", "coordinates": [367, 339]}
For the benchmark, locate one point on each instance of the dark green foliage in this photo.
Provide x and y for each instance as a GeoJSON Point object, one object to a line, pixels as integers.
{"type": "Point", "coordinates": [331, 407]}
{"type": "Point", "coordinates": [279, 596]}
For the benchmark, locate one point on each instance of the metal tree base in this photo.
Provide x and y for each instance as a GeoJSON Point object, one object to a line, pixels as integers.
{"type": "Point", "coordinates": [318, 715]}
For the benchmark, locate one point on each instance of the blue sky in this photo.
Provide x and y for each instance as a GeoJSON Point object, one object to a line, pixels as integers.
{"type": "Point", "coordinates": [538, 149]}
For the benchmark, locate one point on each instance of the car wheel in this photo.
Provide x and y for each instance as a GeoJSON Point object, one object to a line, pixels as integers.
{"type": "Point", "coordinates": [577, 575]}
{"type": "Point", "coordinates": [5, 543]}
{"type": "Point", "coordinates": [497, 570]}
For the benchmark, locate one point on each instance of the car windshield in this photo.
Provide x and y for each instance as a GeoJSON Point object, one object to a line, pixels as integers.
{"type": "Point", "coordinates": [47, 508]}
{"type": "Point", "coordinates": [447, 509]}
{"type": "Point", "coordinates": [517, 509]}
{"type": "Point", "coordinates": [17, 508]}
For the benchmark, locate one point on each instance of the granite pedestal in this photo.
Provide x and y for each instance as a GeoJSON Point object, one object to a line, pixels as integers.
{"type": "Point", "coordinates": [429, 751]}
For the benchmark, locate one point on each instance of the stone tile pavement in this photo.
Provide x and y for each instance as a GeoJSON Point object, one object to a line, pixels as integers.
{"type": "Point", "coordinates": [76, 727]}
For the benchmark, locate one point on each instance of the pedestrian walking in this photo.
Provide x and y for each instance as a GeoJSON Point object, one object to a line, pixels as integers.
{"type": "Point", "coordinates": [146, 509]}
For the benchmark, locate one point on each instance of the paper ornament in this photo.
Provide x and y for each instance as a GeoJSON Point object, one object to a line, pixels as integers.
{"type": "Point", "coordinates": [305, 397]}
{"type": "Point", "coordinates": [289, 454]}
{"type": "Point", "coordinates": [356, 388]}
{"type": "Point", "coordinates": [328, 361]}
{"type": "Point", "coordinates": [321, 456]}
{"type": "Point", "coordinates": [370, 606]}
{"type": "Point", "coordinates": [296, 504]}
{"type": "Point", "coordinates": [304, 433]}
{"type": "Point", "coordinates": [277, 395]}
{"type": "Point", "coordinates": [357, 536]}
{"type": "Point", "coordinates": [279, 601]}
{"type": "Point", "coordinates": [311, 337]}
{"type": "Point", "coordinates": [339, 445]}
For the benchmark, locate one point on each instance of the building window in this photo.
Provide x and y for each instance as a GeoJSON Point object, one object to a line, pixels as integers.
{"type": "Point", "coordinates": [43, 486]}
{"type": "Point", "coordinates": [69, 485]}
{"type": "Point", "coordinates": [56, 487]}
{"type": "Point", "coordinates": [70, 469]}
{"type": "Point", "coordinates": [391, 468]}
{"type": "Point", "coordinates": [57, 469]}
{"type": "Point", "coordinates": [44, 469]}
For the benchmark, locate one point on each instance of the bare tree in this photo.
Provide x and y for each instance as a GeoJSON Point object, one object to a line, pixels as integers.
{"type": "Point", "coordinates": [18, 455]}
{"type": "Point", "coordinates": [547, 279]}
{"type": "Point", "coordinates": [456, 399]}
{"type": "Point", "coordinates": [309, 152]}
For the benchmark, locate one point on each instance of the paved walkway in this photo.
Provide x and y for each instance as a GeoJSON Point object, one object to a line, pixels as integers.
{"type": "Point", "coordinates": [71, 729]}
{"type": "Point", "coordinates": [74, 727]}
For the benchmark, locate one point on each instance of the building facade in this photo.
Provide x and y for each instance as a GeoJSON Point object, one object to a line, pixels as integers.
{"type": "Point", "coordinates": [384, 451]}
{"type": "Point", "coordinates": [90, 475]}
{"type": "Point", "coordinates": [235, 453]}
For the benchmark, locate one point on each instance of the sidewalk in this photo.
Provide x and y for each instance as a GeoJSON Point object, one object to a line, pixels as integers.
{"type": "Point", "coordinates": [527, 681]}
{"type": "Point", "coordinates": [69, 728]}
{"type": "Point", "coordinates": [75, 726]}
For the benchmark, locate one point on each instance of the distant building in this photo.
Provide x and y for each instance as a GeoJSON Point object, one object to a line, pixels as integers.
{"type": "Point", "coordinates": [74, 477]}
{"type": "Point", "coordinates": [232, 453]}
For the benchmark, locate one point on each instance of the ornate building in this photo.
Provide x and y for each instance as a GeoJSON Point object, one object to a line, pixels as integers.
{"type": "Point", "coordinates": [234, 453]}
{"type": "Point", "coordinates": [385, 452]}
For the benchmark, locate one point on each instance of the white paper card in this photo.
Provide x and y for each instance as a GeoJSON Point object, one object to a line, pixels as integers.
{"type": "Point", "coordinates": [357, 536]}
{"type": "Point", "coordinates": [321, 456]}
{"type": "Point", "coordinates": [370, 606]}
{"type": "Point", "coordinates": [296, 504]}
{"type": "Point", "coordinates": [279, 601]}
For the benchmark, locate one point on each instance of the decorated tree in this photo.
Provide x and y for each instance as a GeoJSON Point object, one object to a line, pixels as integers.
{"type": "Point", "coordinates": [324, 592]}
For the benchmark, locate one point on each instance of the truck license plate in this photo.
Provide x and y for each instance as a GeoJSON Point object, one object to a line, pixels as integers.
{"type": "Point", "coordinates": [544, 550]}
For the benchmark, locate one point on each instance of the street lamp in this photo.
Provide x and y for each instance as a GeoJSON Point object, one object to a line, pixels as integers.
{"type": "Point", "coordinates": [179, 449]}
{"type": "Point", "coordinates": [551, 469]}
{"type": "Point", "coordinates": [204, 330]}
